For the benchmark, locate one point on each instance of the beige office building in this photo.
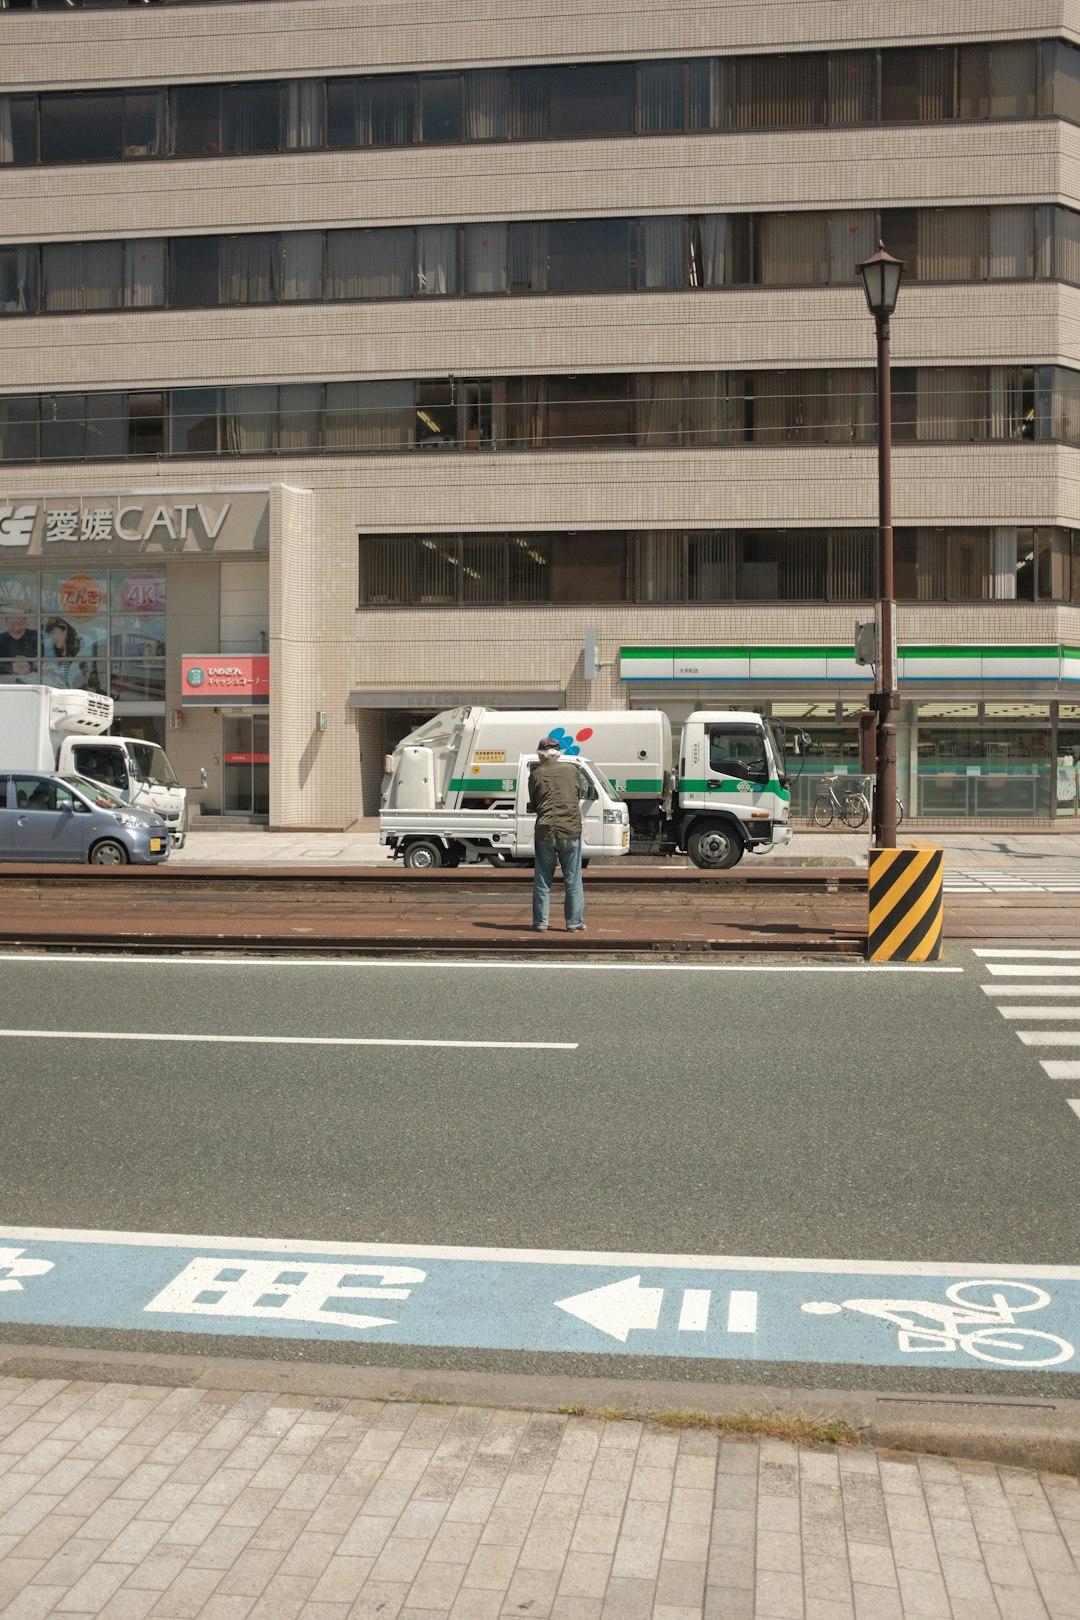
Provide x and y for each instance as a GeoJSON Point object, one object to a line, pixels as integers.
{"type": "Point", "coordinates": [359, 361]}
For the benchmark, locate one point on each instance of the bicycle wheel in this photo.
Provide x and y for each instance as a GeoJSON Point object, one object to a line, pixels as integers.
{"type": "Point", "coordinates": [899, 812]}
{"type": "Point", "coordinates": [995, 1293]}
{"type": "Point", "coordinates": [823, 811]}
{"type": "Point", "coordinates": [854, 810]}
{"type": "Point", "coordinates": [1016, 1343]}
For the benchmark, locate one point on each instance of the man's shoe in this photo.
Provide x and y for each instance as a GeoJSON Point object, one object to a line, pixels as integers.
{"type": "Point", "coordinates": [539, 928]}
{"type": "Point", "coordinates": [580, 929]}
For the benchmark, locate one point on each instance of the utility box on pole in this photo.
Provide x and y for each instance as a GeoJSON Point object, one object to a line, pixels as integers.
{"type": "Point", "coordinates": [866, 642]}
{"type": "Point", "coordinates": [590, 663]}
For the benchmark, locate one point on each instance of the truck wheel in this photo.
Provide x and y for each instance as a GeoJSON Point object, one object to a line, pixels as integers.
{"type": "Point", "coordinates": [108, 853]}
{"type": "Point", "coordinates": [714, 846]}
{"type": "Point", "coordinates": [424, 855]}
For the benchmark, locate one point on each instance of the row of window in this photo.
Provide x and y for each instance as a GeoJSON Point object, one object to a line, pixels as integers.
{"type": "Point", "coordinates": [650, 410]}
{"type": "Point", "coordinates": [715, 565]}
{"type": "Point", "coordinates": [1025, 79]}
{"type": "Point", "coordinates": [537, 256]}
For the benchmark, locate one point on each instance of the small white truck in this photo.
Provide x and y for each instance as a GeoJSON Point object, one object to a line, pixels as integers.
{"type": "Point", "coordinates": [49, 728]}
{"type": "Point", "coordinates": [730, 792]}
{"type": "Point", "coordinates": [426, 837]}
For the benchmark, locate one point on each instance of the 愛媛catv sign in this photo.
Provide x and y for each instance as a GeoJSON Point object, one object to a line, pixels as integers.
{"type": "Point", "coordinates": [137, 522]}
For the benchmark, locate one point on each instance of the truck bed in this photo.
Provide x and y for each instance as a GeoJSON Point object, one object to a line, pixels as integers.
{"type": "Point", "coordinates": [446, 823]}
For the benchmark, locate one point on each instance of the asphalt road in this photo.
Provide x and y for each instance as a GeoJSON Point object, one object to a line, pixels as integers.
{"type": "Point", "coordinates": [816, 1111]}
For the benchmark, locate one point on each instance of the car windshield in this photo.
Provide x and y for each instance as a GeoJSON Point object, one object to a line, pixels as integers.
{"type": "Point", "coordinates": [152, 764]}
{"type": "Point", "coordinates": [96, 792]}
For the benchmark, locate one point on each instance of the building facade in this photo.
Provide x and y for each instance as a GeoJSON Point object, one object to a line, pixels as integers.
{"type": "Point", "coordinates": [357, 367]}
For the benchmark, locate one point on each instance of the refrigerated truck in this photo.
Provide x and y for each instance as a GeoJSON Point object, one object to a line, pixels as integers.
{"type": "Point", "coordinates": [50, 728]}
{"type": "Point", "coordinates": [728, 795]}
{"type": "Point", "coordinates": [426, 838]}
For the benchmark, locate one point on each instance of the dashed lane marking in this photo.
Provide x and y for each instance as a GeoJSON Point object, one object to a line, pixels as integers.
{"type": "Point", "coordinates": [281, 1040]}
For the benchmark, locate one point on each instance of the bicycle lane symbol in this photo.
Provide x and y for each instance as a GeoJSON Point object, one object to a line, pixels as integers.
{"type": "Point", "coordinates": [977, 1318]}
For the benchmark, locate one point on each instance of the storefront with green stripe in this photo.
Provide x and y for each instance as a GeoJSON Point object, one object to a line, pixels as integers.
{"type": "Point", "coordinates": [986, 733]}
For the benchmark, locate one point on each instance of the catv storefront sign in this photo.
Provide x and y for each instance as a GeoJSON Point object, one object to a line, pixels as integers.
{"type": "Point", "coordinates": [157, 521]}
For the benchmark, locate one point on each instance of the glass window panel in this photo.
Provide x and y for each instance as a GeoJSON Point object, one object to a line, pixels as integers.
{"type": "Point", "coordinates": [588, 255]}
{"type": "Point", "coordinates": [19, 627]}
{"type": "Point", "coordinates": [711, 567]}
{"type": "Point", "coordinates": [589, 412]}
{"type": "Point", "coordinates": [300, 416]}
{"type": "Point", "coordinates": [144, 123]}
{"type": "Point", "coordinates": [384, 112]}
{"type": "Point", "coordinates": [342, 97]}
{"type": "Point", "coordinates": [485, 94]}
{"type": "Point", "coordinates": [852, 566]}
{"type": "Point", "coordinates": [529, 562]}
{"type": "Point", "coordinates": [658, 567]}
{"type": "Point", "coordinates": [528, 112]}
{"type": "Point", "coordinates": [597, 99]}
{"type": "Point", "coordinates": [1012, 242]}
{"type": "Point", "coordinates": [437, 570]}
{"type": "Point", "coordinates": [196, 119]}
{"type": "Point", "coordinates": [529, 255]}
{"type": "Point", "coordinates": [369, 416]}
{"type": "Point", "coordinates": [146, 424]}
{"type": "Point", "coordinates": [486, 258]}
{"type": "Point", "coordinates": [85, 128]}
{"type": "Point", "coordinates": [974, 79]}
{"type": "Point", "coordinates": [250, 118]}
{"type": "Point", "coordinates": [18, 129]}
{"type": "Point", "coordinates": [852, 87]}
{"type": "Point", "coordinates": [1064, 81]}
{"type": "Point", "coordinates": [970, 574]}
{"type": "Point", "coordinates": [132, 681]}
{"type": "Point", "coordinates": [106, 425]}
{"type": "Point", "coordinates": [1012, 79]}
{"type": "Point", "coordinates": [302, 114]}
{"type": "Point", "coordinates": [719, 404]}
{"type": "Point", "coordinates": [660, 408]}
{"type": "Point", "coordinates": [1066, 405]}
{"type": "Point", "coordinates": [777, 92]}
{"type": "Point", "coordinates": [249, 419]}
{"type": "Point", "coordinates": [705, 94]}
{"type": "Point", "coordinates": [63, 427]}
{"type": "Point", "coordinates": [72, 652]}
{"type": "Point", "coordinates": [83, 275]}
{"type": "Point", "coordinates": [140, 592]}
{"type": "Point", "coordinates": [193, 416]}
{"type": "Point", "coordinates": [588, 568]}
{"type": "Point", "coordinates": [436, 260]}
{"type": "Point", "coordinates": [436, 415]}
{"type": "Point", "coordinates": [1052, 550]}
{"type": "Point", "coordinates": [301, 265]}
{"type": "Point", "coordinates": [144, 273]}
{"type": "Point", "coordinates": [916, 84]}
{"type": "Point", "coordinates": [249, 269]}
{"type": "Point", "coordinates": [18, 280]}
{"type": "Point", "coordinates": [137, 636]}
{"type": "Point", "coordinates": [19, 428]}
{"type": "Point", "coordinates": [953, 244]}
{"type": "Point", "coordinates": [792, 249]}
{"type": "Point", "coordinates": [370, 264]}
{"type": "Point", "coordinates": [852, 239]}
{"type": "Point", "coordinates": [1067, 245]}
{"type": "Point", "coordinates": [386, 570]}
{"type": "Point", "coordinates": [661, 257]}
{"type": "Point", "coordinates": [660, 96]}
{"type": "Point", "coordinates": [483, 569]}
{"type": "Point", "coordinates": [195, 271]}
{"type": "Point", "coordinates": [440, 107]}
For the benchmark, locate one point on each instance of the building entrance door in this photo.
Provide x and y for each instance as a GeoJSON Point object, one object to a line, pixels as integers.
{"type": "Point", "coordinates": [245, 754]}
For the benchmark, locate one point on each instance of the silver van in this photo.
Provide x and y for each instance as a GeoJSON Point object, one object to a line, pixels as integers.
{"type": "Point", "coordinates": [44, 817]}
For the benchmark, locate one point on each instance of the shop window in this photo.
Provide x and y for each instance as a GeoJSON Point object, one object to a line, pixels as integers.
{"type": "Point", "coordinates": [196, 120]}
{"type": "Point", "coordinates": [84, 128]}
{"type": "Point", "coordinates": [18, 280]}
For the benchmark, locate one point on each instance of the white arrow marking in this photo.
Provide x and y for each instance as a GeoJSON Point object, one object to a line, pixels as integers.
{"type": "Point", "coordinates": [616, 1307]}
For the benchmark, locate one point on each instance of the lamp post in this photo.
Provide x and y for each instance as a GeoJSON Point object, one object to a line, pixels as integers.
{"type": "Point", "coordinates": [881, 283]}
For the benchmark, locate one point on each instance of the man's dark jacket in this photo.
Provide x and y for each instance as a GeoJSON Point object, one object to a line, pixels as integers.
{"type": "Point", "coordinates": [554, 793]}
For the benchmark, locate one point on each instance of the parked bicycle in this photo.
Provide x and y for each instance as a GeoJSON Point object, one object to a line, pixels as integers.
{"type": "Point", "coordinates": [847, 798]}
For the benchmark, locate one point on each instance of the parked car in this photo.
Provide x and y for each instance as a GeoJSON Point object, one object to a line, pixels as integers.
{"type": "Point", "coordinates": [45, 817]}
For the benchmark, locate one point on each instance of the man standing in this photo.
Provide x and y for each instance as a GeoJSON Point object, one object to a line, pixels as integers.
{"type": "Point", "coordinates": [554, 795]}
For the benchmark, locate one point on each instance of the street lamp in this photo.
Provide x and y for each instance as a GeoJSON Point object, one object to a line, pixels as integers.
{"type": "Point", "coordinates": [881, 282]}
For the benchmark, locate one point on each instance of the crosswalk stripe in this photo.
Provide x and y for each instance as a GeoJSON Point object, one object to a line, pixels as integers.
{"type": "Point", "coordinates": [1074, 1104]}
{"type": "Point", "coordinates": [1030, 989]}
{"type": "Point", "coordinates": [1039, 1012]}
{"type": "Point", "coordinates": [1048, 1037]}
{"type": "Point", "coordinates": [1061, 1070]}
{"type": "Point", "coordinates": [1034, 970]}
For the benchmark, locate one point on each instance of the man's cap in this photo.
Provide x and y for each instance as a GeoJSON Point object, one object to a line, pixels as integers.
{"type": "Point", "coordinates": [549, 745]}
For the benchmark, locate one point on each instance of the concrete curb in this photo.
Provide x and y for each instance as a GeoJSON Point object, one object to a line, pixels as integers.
{"type": "Point", "coordinates": [1015, 1432]}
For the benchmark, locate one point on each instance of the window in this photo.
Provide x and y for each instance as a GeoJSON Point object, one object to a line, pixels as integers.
{"type": "Point", "coordinates": [195, 271]}
{"type": "Point", "coordinates": [737, 752]}
{"type": "Point", "coordinates": [440, 107]}
{"type": "Point", "coordinates": [18, 129]}
{"type": "Point", "coordinates": [251, 118]}
{"type": "Point", "coordinates": [597, 99]}
{"type": "Point", "coordinates": [19, 428]}
{"type": "Point", "coordinates": [144, 123]}
{"type": "Point", "coordinates": [194, 421]}
{"type": "Point", "coordinates": [196, 117]}
{"type": "Point", "coordinates": [84, 128]}
{"type": "Point", "coordinates": [589, 412]}
{"type": "Point", "coordinates": [18, 280]}
{"type": "Point", "coordinates": [586, 255]}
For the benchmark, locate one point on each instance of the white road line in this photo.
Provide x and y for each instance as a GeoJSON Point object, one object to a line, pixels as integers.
{"type": "Point", "coordinates": [694, 1315]}
{"type": "Point", "coordinates": [1061, 1070]}
{"type": "Point", "coordinates": [1030, 989]}
{"type": "Point", "coordinates": [40, 963]}
{"type": "Point", "coordinates": [1039, 1012]}
{"type": "Point", "coordinates": [1057, 956]}
{"type": "Point", "coordinates": [742, 1311]}
{"type": "Point", "coordinates": [1048, 1037]}
{"type": "Point", "coordinates": [1034, 970]}
{"type": "Point", "coordinates": [281, 1040]}
{"type": "Point", "coordinates": [1074, 1104]}
{"type": "Point", "coordinates": [543, 1257]}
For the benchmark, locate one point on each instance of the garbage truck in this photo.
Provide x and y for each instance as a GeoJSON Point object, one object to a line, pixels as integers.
{"type": "Point", "coordinates": [426, 837]}
{"type": "Point", "coordinates": [49, 728]}
{"type": "Point", "coordinates": [729, 794]}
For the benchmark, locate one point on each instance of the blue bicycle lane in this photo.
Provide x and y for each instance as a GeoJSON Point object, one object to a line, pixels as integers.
{"type": "Point", "coordinates": [855, 1313]}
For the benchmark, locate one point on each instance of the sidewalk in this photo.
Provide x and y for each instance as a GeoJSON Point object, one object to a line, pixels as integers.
{"type": "Point", "coordinates": [125, 1501]}
{"type": "Point", "coordinates": [215, 842]}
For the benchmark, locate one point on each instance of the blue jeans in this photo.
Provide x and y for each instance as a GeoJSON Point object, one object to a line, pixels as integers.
{"type": "Point", "coordinates": [567, 853]}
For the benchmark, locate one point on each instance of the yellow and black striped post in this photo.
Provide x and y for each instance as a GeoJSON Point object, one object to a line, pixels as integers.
{"type": "Point", "coordinates": [905, 905]}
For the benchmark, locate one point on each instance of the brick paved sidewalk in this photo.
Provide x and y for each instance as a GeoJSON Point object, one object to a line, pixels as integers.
{"type": "Point", "coordinates": [125, 1501]}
